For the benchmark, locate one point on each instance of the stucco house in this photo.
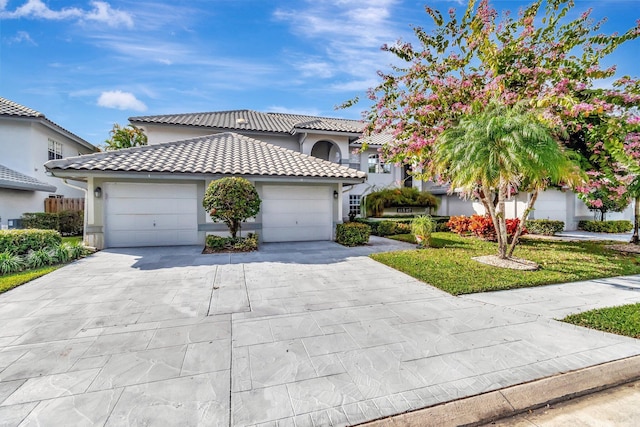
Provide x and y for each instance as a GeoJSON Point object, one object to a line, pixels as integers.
{"type": "Point", "coordinates": [27, 140]}
{"type": "Point", "coordinates": [152, 195]}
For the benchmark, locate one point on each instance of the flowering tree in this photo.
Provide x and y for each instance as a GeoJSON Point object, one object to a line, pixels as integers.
{"type": "Point", "coordinates": [622, 140]}
{"type": "Point", "coordinates": [498, 149]}
{"type": "Point", "coordinates": [536, 58]}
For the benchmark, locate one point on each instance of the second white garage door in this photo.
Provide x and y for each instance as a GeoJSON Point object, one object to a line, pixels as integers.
{"type": "Point", "coordinates": [293, 213]}
{"type": "Point", "coordinates": [150, 214]}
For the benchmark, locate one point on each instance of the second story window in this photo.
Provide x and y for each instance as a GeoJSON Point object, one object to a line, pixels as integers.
{"type": "Point", "coordinates": [377, 166]}
{"type": "Point", "coordinates": [55, 150]}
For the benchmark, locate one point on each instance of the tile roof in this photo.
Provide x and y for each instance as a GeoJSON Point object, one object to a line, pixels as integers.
{"type": "Point", "coordinates": [224, 153]}
{"type": "Point", "coordinates": [13, 109]}
{"type": "Point", "coordinates": [18, 181]}
{"type": "Point", "coordinates": [376, 140]}
{"type": "Point", "coordinates": [249, 120]}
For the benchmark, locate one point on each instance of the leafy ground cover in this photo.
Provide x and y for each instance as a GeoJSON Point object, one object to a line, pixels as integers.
{"type": "Point", "coordinates": [447, 264]}
{"type": "Point", "coordinates": [622, 320]}
{"type": "Point", "coordinates": [10, 281]}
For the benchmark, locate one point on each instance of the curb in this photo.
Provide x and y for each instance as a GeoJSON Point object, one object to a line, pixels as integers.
{"type": "Point", "coordinates": [514, 400]}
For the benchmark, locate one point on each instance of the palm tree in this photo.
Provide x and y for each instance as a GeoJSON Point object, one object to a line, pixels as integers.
{"type": "Point", "coordinates": [125, 137]}
{"type": "Point", "coordinates": [495, 151]}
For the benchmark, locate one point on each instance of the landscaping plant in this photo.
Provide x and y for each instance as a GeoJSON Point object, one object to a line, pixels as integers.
{"type": "Point", "coordinates": [546, 227]}
{"type": "Point", "coordinates": [541, 65]}
{"type": "Point", "coordinates": [377, 201]}
{"type": "Point", "coordinates": [352, 234]}
{"type": "Point", "coordinates": [421, 228]}
{"type": "Point", "coordinates": [10, 263]}
{"type": "Point", "coordinates": [231, 201]}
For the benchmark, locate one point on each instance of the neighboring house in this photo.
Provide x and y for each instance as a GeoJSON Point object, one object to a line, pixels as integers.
{"type": "Point", "coordinates": [27, 140]}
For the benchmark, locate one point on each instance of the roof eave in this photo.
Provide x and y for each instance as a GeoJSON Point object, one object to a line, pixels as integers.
{"type": "Point", "coordinates": [82, 175]}
{"type": "Point", "coordinates": [11, 185]}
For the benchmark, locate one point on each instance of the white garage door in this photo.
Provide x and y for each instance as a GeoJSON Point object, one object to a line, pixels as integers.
{"type": "Point", "coordinates": [150, 214]}
{"type": "Point", "coordinates": [296, 213]}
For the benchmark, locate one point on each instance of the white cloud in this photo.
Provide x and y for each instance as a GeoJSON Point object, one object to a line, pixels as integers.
{"type": "Point", "coordinates": [103, 12]}
{"type": "Point", "coordinates": [349, 34]}
{"type": "Point", "coordinates": [121, 101]}
{"type": "Point", "coordinates": [21, 37]}
{"type": "Point", "coordinates": [37, 9]}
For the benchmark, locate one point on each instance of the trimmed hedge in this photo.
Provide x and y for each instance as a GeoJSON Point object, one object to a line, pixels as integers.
{"type": "Point", "coordinates": [402, 226]}
{"type": "Point", "coordinates": [620, 226]}
{"type": "Point", "coordinates": [20, 242]}
{"type": "Point", "coordinates": [546, 227]}
{"type": "Point", "coordinates": [232, 244]}
{"type": "Point", "coordinates": [352, 234]}
{"type": "Point", "coordinates": [68, 223]}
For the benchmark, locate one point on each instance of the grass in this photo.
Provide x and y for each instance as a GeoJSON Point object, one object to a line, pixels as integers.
{"type": "Point", "coordinates": [10, 281]}
{"type": "Point", "coordinates": [622, 320]}
{"type": "Point", "coordinates": [448, 265]}
{"type": "Point", "coordinates": [72, 239]}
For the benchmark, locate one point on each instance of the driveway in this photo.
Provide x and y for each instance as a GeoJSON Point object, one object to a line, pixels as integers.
{"type": "Point", "coordinates": [295, 334]}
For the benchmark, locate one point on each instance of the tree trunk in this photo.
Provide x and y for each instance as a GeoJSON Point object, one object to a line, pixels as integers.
{"type": "Point", "coordinates": [491, 210]}
{"type": "Point", "coordinates": [636, 221]}
{"type": "Point", "coordinates": [501, 230]}
{"type": "Point", "coordinates": [525, 214]}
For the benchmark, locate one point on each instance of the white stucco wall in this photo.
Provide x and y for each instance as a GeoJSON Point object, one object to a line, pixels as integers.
{"type": "Point", "coordinates": [24, 148]}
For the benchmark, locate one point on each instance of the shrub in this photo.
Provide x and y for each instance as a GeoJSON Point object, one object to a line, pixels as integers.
{"type": "Point", "coordinates": [352, 234]}
{"type": "Point", "coordinates": [233, 244]}
{"type": "Point", "coordinates": [545, 227]}
{"type": "Point", "coordinates": [68, 223]}
{"type": "Point", "coordinates": [459, 224]}
{"type": "Point", "coordinates": [387, 228]}
{"type": "Point", "coordinates": [61, 253]}
{"type": "Point", "coordinates": [481, 226]}
{"type": "Point", "coordinates": [231, 200]}
{"type": "Point", "coordinates": [20, 242]}
{"type": "Point", "coordinates": [421, 228]}
{"type": "Point", "coordinates": [39, 258]}
{"type": "Point", "coordinates": [621, 226]}
{"type": "Point", "coordinates": [10, 263]}
{"type": "Point", "coordinates": [441, 224]}
{"type": "Point", "coordinates": [402, 228]}
{"type": "Point", "coordinates": [78, 250]}
{"type": "Point", "coordinates": [406, 196]}
{"type": "Point", "coordinates": [373, 225]}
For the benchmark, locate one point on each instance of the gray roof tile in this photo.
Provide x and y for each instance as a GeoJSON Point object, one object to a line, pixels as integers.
{"type": "Point", "coordinates": [18, 181]}
{"type": "Point", "coordinates": [225, 153]}
{"type": "Point", "coordinates": [249, 120]}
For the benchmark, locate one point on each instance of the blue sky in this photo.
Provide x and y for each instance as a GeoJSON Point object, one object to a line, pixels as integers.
{"type": "Point", "coordinates": [87, 64]}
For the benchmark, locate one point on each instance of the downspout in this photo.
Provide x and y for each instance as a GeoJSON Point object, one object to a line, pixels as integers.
{"type": "Point", "coordinates": [86, 204]}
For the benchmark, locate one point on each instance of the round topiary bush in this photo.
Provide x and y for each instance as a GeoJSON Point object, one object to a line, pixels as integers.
{"type": "Point", "coordinates": [232, 201]}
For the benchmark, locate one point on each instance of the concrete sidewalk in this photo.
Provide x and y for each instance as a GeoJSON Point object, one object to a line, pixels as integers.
{"type": "Point", "coordinates": [295, 334]}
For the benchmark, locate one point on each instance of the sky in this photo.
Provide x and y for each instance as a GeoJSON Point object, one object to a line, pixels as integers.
{"type": "Point", "coordinates": [87, 64]}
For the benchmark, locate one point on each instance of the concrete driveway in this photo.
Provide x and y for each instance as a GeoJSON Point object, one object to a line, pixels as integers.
{"type": "Point", "coordinates": [306, 334]}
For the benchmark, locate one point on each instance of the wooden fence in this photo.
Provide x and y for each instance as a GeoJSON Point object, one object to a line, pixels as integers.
{"type": "Point", "coordinates": [52, 205]}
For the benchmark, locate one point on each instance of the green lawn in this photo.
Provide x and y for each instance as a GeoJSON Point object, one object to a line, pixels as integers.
{"type": "Point", "coordinates": [448, 264]}
{"type": "Point", "coordinates": [623, 320]}
{"type": "Point", "coordinates": [72, 239]}
{"type": "Point", "coordinates": [10, 281]}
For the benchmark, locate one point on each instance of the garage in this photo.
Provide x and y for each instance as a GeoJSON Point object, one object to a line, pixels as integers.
{"type": "Point", "coordinates": [293, 213]}
{"type": "Point", "coordinates": [139, 214]}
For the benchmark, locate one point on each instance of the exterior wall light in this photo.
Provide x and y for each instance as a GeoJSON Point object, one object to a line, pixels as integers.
{"type": "Point", "coordinates": [335, 194]}
{"type": "Point", "coordinates": [97, 192]}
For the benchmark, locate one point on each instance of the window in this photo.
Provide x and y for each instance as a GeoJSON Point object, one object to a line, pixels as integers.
{"type": "Point", "coordinates": [55, 150]}
{"type": "Point", "coordinates": [354, 160]}
{"type": "Point", "coordinates": [377, 166]}
{"type": "Point", "coordinates": [354, 204]}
